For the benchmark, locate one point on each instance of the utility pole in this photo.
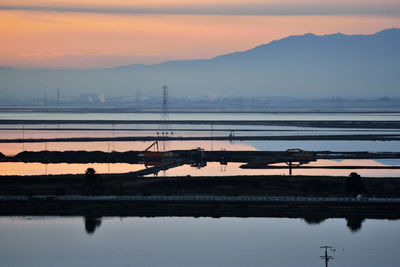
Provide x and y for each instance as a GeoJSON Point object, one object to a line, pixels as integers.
{"type": "Point", "coordinates": [137, 98]}
{"type": "Point", "coordinates": [45, 99]}
{"type": "Point", "coordinates": [165, 114]}
{"type": "Point", "coordinates": [326, 257]}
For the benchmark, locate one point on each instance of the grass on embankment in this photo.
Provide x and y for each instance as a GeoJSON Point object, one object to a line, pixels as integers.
{"type": "Point", "coordinates": [123, 184]}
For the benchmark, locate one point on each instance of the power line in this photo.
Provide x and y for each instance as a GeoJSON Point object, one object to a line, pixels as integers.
{"type": "Point", "coordinates": [326, 257]}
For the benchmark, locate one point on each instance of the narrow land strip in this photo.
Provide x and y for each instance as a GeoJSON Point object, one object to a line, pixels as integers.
{"type": "Point", "coordinates": [349, 137]}
{"type": "Point", "coordinates": [388, 124]}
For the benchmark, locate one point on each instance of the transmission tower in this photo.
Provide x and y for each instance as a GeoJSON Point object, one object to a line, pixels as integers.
{"type": "Point", "coordinates": [58, 97]}
{"type": "Point", "coordinates": [138, 98]}
{"type": "Point", "coordinates": [326, 257]}
{"type": "Point", "coordinates": [45, 99]}
{"type": "Point", "coordinates": [164, 114]}
{"type": "Point", "coordinates": [164, 117]}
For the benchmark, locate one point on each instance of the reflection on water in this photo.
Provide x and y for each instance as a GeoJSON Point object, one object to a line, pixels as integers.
{"type": "Point", "coordinates": [91, 223]}
{"type": "Point", "coordinates": [232, 169]}
{"type": "Point", "coordinates": [186, 241]}
{"type": "Point", "coordinates": [211, 169]}
{"type": "Point", "coordinates": [314, 219]}
{"type": "Point", "coordinates": [354, 223]}
{"type": "Point", "coordinates": [370, 146]}
{"type": "Point", "coordinates": [20, 168]}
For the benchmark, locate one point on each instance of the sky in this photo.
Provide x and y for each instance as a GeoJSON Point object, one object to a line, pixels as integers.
{"type": "Point", "coordinates": [98, 33]}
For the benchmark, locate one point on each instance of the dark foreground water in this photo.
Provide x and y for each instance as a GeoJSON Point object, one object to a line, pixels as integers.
{"type": "Point", "coordinates": [173, 241]}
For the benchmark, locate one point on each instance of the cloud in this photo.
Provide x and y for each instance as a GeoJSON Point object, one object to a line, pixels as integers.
{"type": "Point", "coordinates": [237, 9]}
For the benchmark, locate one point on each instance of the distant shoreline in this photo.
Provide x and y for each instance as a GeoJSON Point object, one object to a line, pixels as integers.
{"type": "Point", "coordinates": [372, 137]}
{"type": "Point", "coordinates": [345, 124]}
{"type": "Point", "coordinates": [377, 110]}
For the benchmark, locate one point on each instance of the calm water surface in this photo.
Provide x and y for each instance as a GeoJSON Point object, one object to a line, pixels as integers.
{"type": "Point", "coordinates": [109, 130]}
{"type": "Point", "coordinates": [212, 169]}
{"type": "Point", "coordinates": [185, 241]}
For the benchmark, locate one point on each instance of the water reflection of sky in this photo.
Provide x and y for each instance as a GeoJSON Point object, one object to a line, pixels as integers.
{"type": "Point", "coordinates": [215, 169]}
{"type": "Point", "coordinates": [66, 131]}
{"type": "Point", "coordinates": [371, 146]}
{"type": "Point", "coordinates": [188, 241]}
{"type": "Point", "coordinates": [109, 130]}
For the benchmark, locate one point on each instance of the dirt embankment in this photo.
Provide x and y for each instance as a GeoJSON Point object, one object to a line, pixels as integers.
{"type": "Point", "coordinates": [221, 186]}
{"type": "Point", "coordinates": [124, 184]}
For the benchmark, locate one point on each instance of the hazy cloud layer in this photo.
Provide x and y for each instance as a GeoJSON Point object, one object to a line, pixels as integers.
{"type": "Point", "coordinates": [236, 9]}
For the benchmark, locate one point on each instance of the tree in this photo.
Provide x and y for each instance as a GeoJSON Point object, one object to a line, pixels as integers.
{"type": "Point", "coordinates": [354, 183]}
{"type": "Point", "coordinates": [92, 179]}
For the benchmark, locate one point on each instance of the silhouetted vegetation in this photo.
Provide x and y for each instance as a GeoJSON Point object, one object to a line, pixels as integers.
{"type": "Point", "coordinates": [92, 181]}
{"type": "Point", "coordinates": [354, 184]}
{"type": "Point", "coordinates": [125, 184]}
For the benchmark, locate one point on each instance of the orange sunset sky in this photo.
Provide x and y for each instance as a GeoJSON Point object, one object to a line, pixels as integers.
{"type": "Point", "coordinates": [98, 33]}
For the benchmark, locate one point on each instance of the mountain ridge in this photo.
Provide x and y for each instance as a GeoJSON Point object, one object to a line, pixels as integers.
{"type": "Point", "coordinates": [298, 65]}
{"type": "Point", "coordinates": [338, 34]}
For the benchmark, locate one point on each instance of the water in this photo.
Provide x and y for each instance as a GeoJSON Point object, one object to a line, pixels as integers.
{"type": "Point", "coordinates": [335, 145]}
{"type": "Point", "coordinates": [126, 130]}
{"type": "Point", "coordinates": [200, 116]}
{"type": "Point", "coordinates": [186, 241]}
{"type": "Point", "coordinates": [212, 169]}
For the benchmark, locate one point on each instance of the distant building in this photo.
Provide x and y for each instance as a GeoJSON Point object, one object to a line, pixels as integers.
{"type": "Point", "coordinates": [92, 97]}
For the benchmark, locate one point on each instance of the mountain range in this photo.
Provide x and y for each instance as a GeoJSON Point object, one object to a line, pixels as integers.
{"type": "Point", "coordinates": [307, 66]}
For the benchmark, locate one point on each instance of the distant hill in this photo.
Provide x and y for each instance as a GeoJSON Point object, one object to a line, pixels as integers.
{"type": "Point", "coordinates": [301, 66]}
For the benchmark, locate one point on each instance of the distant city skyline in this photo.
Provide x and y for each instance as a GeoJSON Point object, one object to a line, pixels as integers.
{"type": "Point", "coordinates": [97, 34]}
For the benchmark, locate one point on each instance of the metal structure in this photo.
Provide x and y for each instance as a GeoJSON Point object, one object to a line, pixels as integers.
{"type": "Point", "coordinates": [164, 127]}
{"type": "Point", "coordinates": [45, 99]}
{"type": "Point", "coordinates": [58, 97]}
{"type": "Point", "coordinates": [165, 115]}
